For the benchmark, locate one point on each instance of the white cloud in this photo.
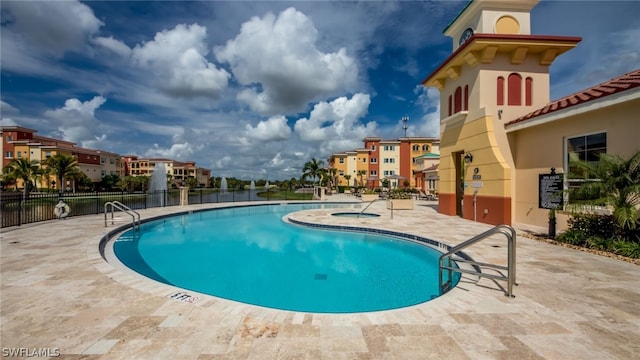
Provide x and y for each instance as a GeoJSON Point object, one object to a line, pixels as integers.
{"type": "Point", "coordinates": [429, 102]}
{"type": "Point", "coordinates": [77, 122]}
{"type": "Point", "coordinates": [52, 26]}
{"type": "Point", "coordinates": [335, 126]}
{"type": "Point", "coordinates": [6, 108]}
{"type": "Point", "coordinates": [182, 151]}
{"type": "Point", "coordinates": [178, 60]}
{"type": "Point", "coordinates": [279, 54]}
{"type": "Point", "coordinates": [113, 45]}
{"type": "Point", "coordinates": [274, 129]}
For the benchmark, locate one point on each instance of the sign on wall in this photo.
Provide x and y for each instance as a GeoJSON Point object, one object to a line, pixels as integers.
{"type": "Point", "coordinates": [550, 194]}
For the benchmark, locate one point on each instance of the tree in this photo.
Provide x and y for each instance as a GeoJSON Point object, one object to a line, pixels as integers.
{"type": "Point", "coordinates": [110, 182]}
{"type": "Point", "coordinates": [192, 183]}
{"type": "Point", "coordinates": [347, 177]}
{"type": "Point", "coordinates": [64, 167]}
{"type": "Point", "coordinates": [613, 181]}
{"type": "Point", "coordinates": [332, 172]}
{"type": "Point", "coordinates": [313, 169]}
{"type": "Point", "coordinates": [360, 174]}
{"type": "Point", "coordinates": [24, 169]}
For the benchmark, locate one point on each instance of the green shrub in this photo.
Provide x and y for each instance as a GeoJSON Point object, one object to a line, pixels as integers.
{"type": "Point", "coordinates": [599, 243]}
{"type": "Point", "coordinates": [626, 248]}
{"type": "Point", "coordinates": [594, 225]}
{"type": "Point", "coordinates": [573, 237]}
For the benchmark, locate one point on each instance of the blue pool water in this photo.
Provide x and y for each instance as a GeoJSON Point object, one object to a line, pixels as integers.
{"type": "Point", "coordinates": [249, 254]}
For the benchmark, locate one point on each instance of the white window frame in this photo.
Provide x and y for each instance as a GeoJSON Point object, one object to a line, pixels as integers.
{"type": "Point", "coordinates": [565, 161]}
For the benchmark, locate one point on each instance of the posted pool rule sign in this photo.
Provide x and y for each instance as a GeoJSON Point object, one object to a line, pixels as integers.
{"type": "Point", "coordinates": [550, 194]}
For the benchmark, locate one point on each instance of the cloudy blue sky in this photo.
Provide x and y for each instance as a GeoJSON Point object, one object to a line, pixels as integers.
{"type": "Point", "coordinates": [254, 89]}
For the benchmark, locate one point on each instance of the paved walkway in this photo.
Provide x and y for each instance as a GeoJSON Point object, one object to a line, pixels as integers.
{"type": "Point", "coordinates": [57, 293]}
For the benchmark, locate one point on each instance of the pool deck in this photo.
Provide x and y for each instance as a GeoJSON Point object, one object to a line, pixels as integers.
{"type": "Point", "coordinates": [57, 293]}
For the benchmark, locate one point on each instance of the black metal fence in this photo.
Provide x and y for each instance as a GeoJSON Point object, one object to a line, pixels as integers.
{"type": "Point", "coordinates": [16, 210]}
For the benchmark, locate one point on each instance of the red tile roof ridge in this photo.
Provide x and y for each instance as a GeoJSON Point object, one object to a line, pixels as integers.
{"type": "Point", "coordinates": [618, 84]}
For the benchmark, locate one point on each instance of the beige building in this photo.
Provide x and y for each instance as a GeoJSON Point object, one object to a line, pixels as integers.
{"type": "Point", "coordinates": [499, 131]}
{"type": "Point", "coordinates": [20, 142]}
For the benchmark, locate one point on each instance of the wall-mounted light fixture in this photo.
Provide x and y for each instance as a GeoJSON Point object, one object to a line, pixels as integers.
{"type": "Point", "coordinates": [500, 114]}
{"type": "Point", "coordinates": [468, 158]}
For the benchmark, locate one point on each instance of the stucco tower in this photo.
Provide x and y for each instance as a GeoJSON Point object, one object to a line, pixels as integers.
{"type": "Point", "coordinates": [496, 72]}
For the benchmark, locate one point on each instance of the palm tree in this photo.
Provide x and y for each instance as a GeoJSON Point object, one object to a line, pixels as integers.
{"type": "Point", "coordinates": [360, 174]}
{"type": "Point", "coordinates": [24, 169]}
{"type": "Point", "coordinates": [313, 169]}
{"type": "Point", "coordinates": [332, 175]}
{"type": "Point", "coordinates": [613, 181]}
{"type": "Point", "coordinates": [63, 166]}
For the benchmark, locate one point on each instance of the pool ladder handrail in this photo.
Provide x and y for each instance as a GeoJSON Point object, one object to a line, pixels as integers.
{"type": "Point", "coordinates": [366, 207]}
{"type": "Point", "coordinates": [506, 230]}
{"type": "Point", "coordinates": [124, 208]}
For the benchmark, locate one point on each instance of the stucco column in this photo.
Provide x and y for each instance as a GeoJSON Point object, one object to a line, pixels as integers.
{"type": "Point", "coordinates": [184, 196]}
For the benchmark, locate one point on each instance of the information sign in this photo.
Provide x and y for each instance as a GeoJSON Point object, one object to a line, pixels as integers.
{"type": "Point", "coordinates": [550, 191]}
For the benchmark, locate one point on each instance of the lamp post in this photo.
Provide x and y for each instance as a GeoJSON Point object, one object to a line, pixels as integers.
{"type": "Point", "coordinates": [405, 119]}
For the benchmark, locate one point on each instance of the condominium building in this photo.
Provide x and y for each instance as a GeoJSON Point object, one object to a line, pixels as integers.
{"type": "Point", "coordinates": [177, 172]}
{"type": "Point", "coordinates": [21, 142]}
{"type": "Point", "coordinates": [394, 160]}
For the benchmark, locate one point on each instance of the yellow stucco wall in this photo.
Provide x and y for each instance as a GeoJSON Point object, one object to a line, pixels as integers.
{"type": "Point", "coordinates": [476, 137]}
{"type": "Point", "coordinates": [538, 148]}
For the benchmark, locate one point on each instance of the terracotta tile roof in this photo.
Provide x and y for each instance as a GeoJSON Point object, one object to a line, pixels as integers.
{"type": "Point", "coordinates": [619, 84]}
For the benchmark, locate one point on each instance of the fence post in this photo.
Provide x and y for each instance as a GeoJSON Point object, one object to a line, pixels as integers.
{"type": "Point", "coordinates": [97, 202]}
{"type": "Point", "coordinates": [20, 211]}
{"type": "Point", "coordinates": [145, 199]}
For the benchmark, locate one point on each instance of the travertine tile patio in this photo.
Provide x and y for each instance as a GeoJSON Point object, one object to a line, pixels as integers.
{"type": "Point", "coordinates": [57, 292]}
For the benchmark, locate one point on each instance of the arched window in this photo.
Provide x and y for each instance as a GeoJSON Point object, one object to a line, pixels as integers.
{"type": "Point", "coordinates": [528, 91]}
{"type": "Point", "coordinates": [500, 88]}
{"type": "Point", "coordinates": [450, 106]}
{"type": "Point", "coordinates": [425, 147]}
{"type": "Point", "coordinates": [515, 89]}
{"type": "Point", "coordinates": [466, 97]}
{"type": "Point", "coordinates": [457, 100]}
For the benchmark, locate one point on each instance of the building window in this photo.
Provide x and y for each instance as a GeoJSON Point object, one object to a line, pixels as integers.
{"type": "Point", "coordinates": [373, 173]}
{"type": "Point", "coordinates": [450, 104]}
{"type": "Point", "coordinates": [47, 154]}
{"type": "Point", "coordinates": [466, 97]}
{"type": "Point", "coordinates": [374, 160]}
{"type": "Point", "coordinates": [373, 147]}
{"type": "Point", "coordinates": [8, 154]}
{"type": "Point", "coordinates": [341, 172]}
{"type": "Point", "coordinates": [19, 154]}
{"type": "Point", "coordinates": [500, 91]}
{"type": "Point", "coordinates": [341, 161]}
{"type": "Point", "coordinates": [9, 138]}
{"type": "Point", "coordinates": [364, 160]}
{"type": "Point", "coordinates": [583, 148]}
{"type": "Point", "coordinates": [413, 160]}
{"type": "Point", "coordinates": [425, 147]}
{"type": "Point", "coordinates": [103, 160]}
{"type": "Point", "coordinates": [415, 148]}
{"type": "Point", "coordinates": [528, 91]}
{"type": "Point", "coordinates": [515, 89]}
{"type": "Point", "coordinates": [457, 100]}
{"type": "Point", "coordinates": [389, 148]}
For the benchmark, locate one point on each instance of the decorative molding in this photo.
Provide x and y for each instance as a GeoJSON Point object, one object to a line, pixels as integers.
{"type": "Point", "coordinates": [547, 56]}
{"type": "Point", "coordinates": [518, 55]}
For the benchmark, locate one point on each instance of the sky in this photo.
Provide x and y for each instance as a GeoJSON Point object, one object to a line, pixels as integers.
{"type": "Point", "coordinates": [255, 89]}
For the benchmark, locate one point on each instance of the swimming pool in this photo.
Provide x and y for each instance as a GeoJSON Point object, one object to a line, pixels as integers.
{"type": "Point", "coordinates": [248, 254]}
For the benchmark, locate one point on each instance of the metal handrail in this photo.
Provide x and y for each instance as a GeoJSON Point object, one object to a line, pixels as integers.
{"type": "Point", "coordinates": [124, 208]}
{"type": "Point", "coordinates": [510, 278]}
{"type": "Point", "coordinates": [366, 207]}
